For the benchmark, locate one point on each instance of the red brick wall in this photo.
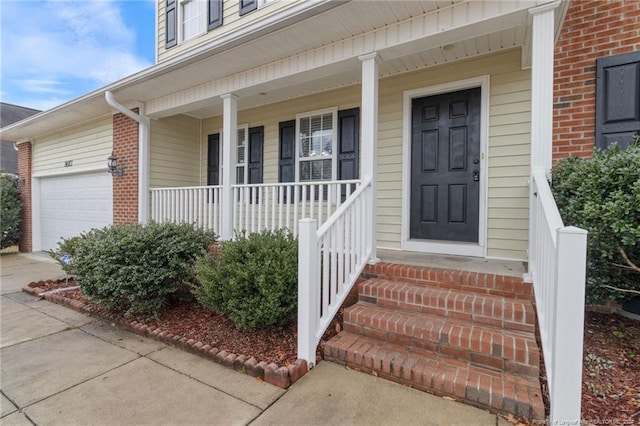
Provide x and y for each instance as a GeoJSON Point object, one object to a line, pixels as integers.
{"type": "Point", "coordinates": [592, 29]}
{"type": "Point", "coordinates": [125, 187]}
{"type": "Point", "coordinates": [25, 156]}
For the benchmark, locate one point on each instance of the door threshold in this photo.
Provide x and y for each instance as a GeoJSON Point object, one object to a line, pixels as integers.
{"type": "Point", "coordinates": [445, 247]}
{"type": "Point", "coordinates": [512, 268]}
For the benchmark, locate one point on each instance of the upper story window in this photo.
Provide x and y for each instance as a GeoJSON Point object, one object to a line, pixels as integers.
{"type": "Point", "coordinates": [247, 6]}
{"type": "Point", "coordinates": [317, 138]}
{"type": "Point", "coordinates": [192, 18]}
{"type": "Point", "coordinates": [187, 19]}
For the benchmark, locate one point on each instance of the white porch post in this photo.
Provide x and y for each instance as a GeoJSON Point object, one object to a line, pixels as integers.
{"type": "Point", "coordinates": [542, 85]}
{"type": "Point", "coordinates": [144, 143]}
{"type": "Point", "coordinates": [543, 40]}
{"type": "Point", "coordinates": [369, 146]}
{"type": "Point", "coordinates": [229, 141]}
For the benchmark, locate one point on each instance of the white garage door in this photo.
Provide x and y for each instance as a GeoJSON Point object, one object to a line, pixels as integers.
{"type": "Point", "coordinates": [73, 204]}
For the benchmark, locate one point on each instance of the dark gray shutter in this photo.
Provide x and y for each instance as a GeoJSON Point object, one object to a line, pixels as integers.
{"type": "Point", "coordinates": [617, 99]}
{"type": "Point", "coordinates": [171, 23]}
{"type": "Point", "coordinates": [247, 6]}
{"type": "Point", "coordinates": [286, 161]}
{"type": "Point", "coordinates": [348, 143]}
{"type": "Point", "coordinates": [215, 14]}
{"type": "Point", "coordinates": [213, 159]}
{"type": "Point", "coordinates": [256, 148]}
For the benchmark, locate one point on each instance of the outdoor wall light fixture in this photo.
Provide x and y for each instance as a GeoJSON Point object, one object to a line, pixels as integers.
{"type": "Point", "coordinates": [112, 165]}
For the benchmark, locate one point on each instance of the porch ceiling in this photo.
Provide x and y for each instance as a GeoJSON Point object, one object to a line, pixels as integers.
{"type": "Point", "coordinates": [468, 28]}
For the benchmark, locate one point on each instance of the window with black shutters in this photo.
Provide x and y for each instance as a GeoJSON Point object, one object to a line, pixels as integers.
{"type": "Point", "coordinates": [617, 99]}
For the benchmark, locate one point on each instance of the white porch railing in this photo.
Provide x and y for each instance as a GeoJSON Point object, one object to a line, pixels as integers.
{"type": "Point", "coordinates": [330, 260]}
{"type": "Point", "coordinates": [282, 205]}
{"type": "Point", "coordinates": [557, 265]}
{"type": "Point", "coordinates": [257, 207]}
{"type": "Point", "coordinates": [199, 205]}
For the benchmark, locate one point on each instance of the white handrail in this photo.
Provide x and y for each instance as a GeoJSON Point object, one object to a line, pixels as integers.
{"type": "Point", "coordinates": [330, 260]}
{"type": "Point", "coordinates": [557, 265]}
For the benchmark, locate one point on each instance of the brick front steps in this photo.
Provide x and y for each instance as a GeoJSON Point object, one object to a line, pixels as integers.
{"type": "Point", "coordinates": [469, 336]}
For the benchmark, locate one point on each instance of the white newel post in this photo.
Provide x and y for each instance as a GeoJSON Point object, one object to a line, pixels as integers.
{"type": "Point", "coordinates": [308, 289]}
{"type": "Point", "coordinates": [229, 142]}
{"type": "Point", "coordinates": [566, 389]}
{"type": "Point", "coordinates": [369, 139]}
{"type": "Point", "coordinates": [543, 41]}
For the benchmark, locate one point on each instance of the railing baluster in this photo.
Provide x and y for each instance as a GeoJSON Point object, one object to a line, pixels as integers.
{"type": "Point", "coordinates": [296, 197]}
{"type": "Point", "coordinates": [326, 273]}
{"type": "Point", "coordinates": [304, 202]}
{"type": "Point", "coordinates": [274, 197]}
{"type": "Point", "coordinates": [280, 190]}
{"type": "Point", "coordinates": [321, 188]}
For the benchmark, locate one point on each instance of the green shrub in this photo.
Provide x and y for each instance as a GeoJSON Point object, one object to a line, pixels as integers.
{"type": "Point", "coordinates": [66, 252]}
{"type": "Point", "coordinates": [254, 280]}
{"type": "Point", "coordinates": [10, 211]}
{"type": "Point", "coordinates": [137, 267]}
{"type": "Point", "coordinates": [602, 195]}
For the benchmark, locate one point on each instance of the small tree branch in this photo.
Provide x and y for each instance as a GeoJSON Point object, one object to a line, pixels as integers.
{"type": "Point", "coordinates": [621, 266]}
{"type": "Point", "coordinates": [624, 290]}
{"type": "Point", "coordinates": [629, 262]}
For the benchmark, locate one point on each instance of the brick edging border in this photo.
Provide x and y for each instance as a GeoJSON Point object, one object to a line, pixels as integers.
{"type": "Point", "coordinates": [272, 373]}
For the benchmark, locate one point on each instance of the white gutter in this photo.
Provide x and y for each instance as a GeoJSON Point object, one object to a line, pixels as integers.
{"type": "Point", "coordinates": [144, 136]}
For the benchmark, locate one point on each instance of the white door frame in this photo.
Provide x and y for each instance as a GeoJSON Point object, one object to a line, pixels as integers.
{"type": "Point", "coordinates": [478, 249]}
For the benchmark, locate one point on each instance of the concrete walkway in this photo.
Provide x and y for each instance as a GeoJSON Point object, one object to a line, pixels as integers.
{"type": "Point", "coordinates": [62, 367]}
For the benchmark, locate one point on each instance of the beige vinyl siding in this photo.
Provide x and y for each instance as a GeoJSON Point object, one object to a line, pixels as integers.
{"type": "Point", "coordinates": [271, 116]}
{"type": "Point", "coordinates": [87, 145]}
{"type": "Point", "coordinates": [175, 150]}
{"type": "Point", "coordinates": [508, 144]}
{"type": "Point", "coordinates": [231, 21]}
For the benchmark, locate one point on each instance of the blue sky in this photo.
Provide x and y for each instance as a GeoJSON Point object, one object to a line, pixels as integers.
{"type": "Point", "coordinates": [53, 51]}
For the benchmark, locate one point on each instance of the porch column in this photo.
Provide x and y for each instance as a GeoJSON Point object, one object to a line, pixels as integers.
{"type": "Point", "coordinates": [543, 40]}
{"type": "Point", "coordinates": [229, 141]}
{"type": "Point", "coordinates": [369, 132]}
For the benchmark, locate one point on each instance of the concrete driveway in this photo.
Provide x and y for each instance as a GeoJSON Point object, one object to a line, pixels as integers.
{"type": "Point", "coordinates": [17, 270]}
{"type": "Point", "coordinates": [59, 367]}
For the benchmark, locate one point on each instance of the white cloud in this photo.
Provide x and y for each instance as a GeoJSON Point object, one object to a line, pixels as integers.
{"type": "Point", "coordinates": [43, 86]}
{"type": "Point", "coordinates": [65, 48]}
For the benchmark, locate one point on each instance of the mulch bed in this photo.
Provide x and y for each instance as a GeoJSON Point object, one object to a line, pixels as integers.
{"type": "Point", "coordinates": [188, 322]}
{"type": "Point", "coordinates": [611, 368]}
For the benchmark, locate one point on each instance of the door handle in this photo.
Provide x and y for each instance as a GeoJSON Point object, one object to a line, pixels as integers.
{"type": "Point", "coordinates": [476, 175]}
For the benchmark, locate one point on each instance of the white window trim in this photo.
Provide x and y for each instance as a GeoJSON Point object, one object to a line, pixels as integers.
{"type": "Point", "coordinates": [181, 38]}
{"type": "Point", "coordinates": [246, 154]}
{"type": "Point", "coordinates": [478, 249]}
{"type": "Point", "coordinates": [334, 153]}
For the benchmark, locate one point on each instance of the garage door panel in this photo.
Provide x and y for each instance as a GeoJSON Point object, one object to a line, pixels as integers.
{"type": "Point", "coordinates": [70, 205]}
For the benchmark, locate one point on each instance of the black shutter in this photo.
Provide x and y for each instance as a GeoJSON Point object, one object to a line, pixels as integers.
{"type": "Point", "coordinates": [215, 14]}
{"type": "Point", "coordinates": [213, 160]}
{"type": "Point", "coordinates": [247, 6]}
{"type": "Point", "coordinates": [256, 148]}
{"type": "Point", "coordinates": [617, 99]}
{"type": "Point", "coordinates": [348, 143]}
{"type": "Point", "coordinates": [287, 155]}
{"type": "Point", "coordinates": [171, 23]}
